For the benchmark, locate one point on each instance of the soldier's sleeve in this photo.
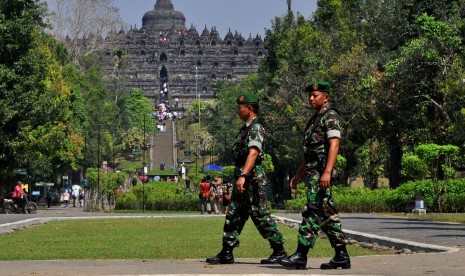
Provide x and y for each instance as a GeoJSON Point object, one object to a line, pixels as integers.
{"type": "Point", "coordinates": [256, 136]}
{"type": "Point", "coordinates": [332, 124]}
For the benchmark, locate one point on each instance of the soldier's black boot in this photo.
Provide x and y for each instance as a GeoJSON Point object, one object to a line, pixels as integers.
{"type": "Point", "coordinates": [278, 253]}
{"type": "Point", "coordinates": [224, 257]}
{"type": "Point", "coordinates": [298, 260]}
{"type": "Point", "coordinates": [341, 259]}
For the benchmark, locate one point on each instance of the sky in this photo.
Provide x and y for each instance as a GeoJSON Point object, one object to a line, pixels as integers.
{"type": "Point", "coordinates": [245, 16]}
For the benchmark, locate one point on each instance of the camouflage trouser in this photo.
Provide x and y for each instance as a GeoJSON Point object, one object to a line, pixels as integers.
{"type": "Point", "coordinates": [252, 202]}
{"type": "Point", "coordinates": [319, 214]}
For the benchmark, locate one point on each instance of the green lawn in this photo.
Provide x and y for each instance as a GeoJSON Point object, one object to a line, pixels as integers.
{"type": "Point", "coordinates": [446, 217]}
{"type": "Point", "coordinates": [143, 238]}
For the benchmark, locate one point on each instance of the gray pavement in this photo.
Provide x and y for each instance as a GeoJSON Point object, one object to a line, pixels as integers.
{"type": "Point", "coordinates": [417, 235]}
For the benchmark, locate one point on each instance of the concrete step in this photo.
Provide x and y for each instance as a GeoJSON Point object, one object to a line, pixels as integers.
{"type": "Point", "coordinates": [163, 146]}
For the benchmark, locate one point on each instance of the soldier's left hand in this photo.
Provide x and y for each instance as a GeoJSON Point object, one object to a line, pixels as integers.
{"type": "Point", "coordinates": [325, 180]}
{"type": "Point", "coordinates": [240, 184]}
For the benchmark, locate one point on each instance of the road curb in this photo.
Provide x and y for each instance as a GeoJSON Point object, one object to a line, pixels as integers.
{"type": "Point", "coordinates": [382, 240]}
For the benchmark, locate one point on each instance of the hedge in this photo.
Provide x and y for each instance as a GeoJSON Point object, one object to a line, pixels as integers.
{"type": "Point", "coordinates": [361, 200]}
{"type": "Point", "coordinates": [161, 195]}
{"type": "Point", "coordinates": [170, 196]}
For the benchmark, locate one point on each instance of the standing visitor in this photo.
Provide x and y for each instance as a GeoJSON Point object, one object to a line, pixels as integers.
{"type": "Point", "coordinates": [227, 191]}
{"type": "Point", "coordinates": [65, 198]}
{"type": "Point", "coordinates": [49, 198]}
{"type": "Point", "coordinates": [249, 197]}
{"type": "Point", "coordinates": [204, 196]}
{"type": "Point", "coordinates": [75, 196]}
{"type": "Point", "coordinates": [219, 193]}
{"type": "Point", "coordinates": [81, 198]}
{"type": "Point", "coordinates": [214, 197]}
{"type": "Point", "coordinates": [320, 148]}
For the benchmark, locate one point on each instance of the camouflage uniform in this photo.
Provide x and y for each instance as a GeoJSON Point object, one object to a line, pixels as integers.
{"type": "Point", "coordinates": [252, 202]}
{"type": "Point", "coordinates": [319, 213]}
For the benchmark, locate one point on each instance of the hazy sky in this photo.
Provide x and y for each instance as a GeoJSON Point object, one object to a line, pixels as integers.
{"type": "Point", "coordinates": [245, 16]}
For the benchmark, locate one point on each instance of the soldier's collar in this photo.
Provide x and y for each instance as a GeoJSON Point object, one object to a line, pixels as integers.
{"type": "Point", "coordinates": [324, 108]}
{"type": "Point", "coordinates": [249, 122]}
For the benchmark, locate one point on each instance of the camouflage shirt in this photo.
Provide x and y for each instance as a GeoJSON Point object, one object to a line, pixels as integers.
{"type": "Point", "coordinates": [316, 144]}
{"type": "Point", "coordinates": [252, 134]}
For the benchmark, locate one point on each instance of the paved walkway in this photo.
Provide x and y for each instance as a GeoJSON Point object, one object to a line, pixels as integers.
{"type": "Point", "coordinates": [410, 233]}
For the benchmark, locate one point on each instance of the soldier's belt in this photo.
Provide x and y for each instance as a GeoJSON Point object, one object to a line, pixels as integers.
{"type": "Point", "coordinates": [314, 157]}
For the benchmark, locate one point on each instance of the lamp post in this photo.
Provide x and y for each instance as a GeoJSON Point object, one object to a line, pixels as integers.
{"type": "Point", "coordinates": [98, 163]}
{"type": "Point", "coordinates": [196, 155]}
{"type": "Point", "coordinates": [144, 146]}
{"type": "Point", "coordinates": [196, 91]}
{"type": "Point", "coordinates": [144, 171]}
{"type": "Point", "coordinates": [203, 155]}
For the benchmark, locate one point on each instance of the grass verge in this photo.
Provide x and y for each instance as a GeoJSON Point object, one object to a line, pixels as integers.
{"type": "Point", "coordinates": [144, 238]}
{"type": "Point", "coordinates": [444, 217]}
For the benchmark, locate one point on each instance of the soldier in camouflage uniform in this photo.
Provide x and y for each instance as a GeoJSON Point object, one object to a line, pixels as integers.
{"type": "Point", "coordinates": [249, 197]}
{"type": "Point", "coordinates": [320, 146]}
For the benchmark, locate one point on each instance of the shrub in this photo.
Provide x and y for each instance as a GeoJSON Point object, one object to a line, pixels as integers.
{"type": "Point", "coordinates": [361, 200]}
{"type": "Point", "coordinates": [413, 168]}
{"type": "Point", "coordinates": [455, 203]}
{"type": "Point", "coordinates": [295, 205]}
{"type": "Point", "coordinates": [127, 201]}
{"type": "Point", "coordinates": [161, 196]}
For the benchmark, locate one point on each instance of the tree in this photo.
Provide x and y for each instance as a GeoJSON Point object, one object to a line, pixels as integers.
{"type": "Point", "coordinates": [396, 69]}
{"type": "Point", "coordinates": [410, 36]}
{"type": "Point", "coordinates": [96, 112]}
{"type": "Point", "coordinates": [20, 21]}
{"type": "Point", "coordinates": [136, 108]}
{"type": "Point", "coordinates": [413, 168]}
{"type": "Point", "coordinates": [283, 74]}
{"type": "Point", "coordinates": [36, 127]}
{"type": "Point", "coordinates": [136, 121]}
{"type": "Point", "coordinates": [83, 24]}
{"type": "Point", "coordinates": [103, 184]}
{"type": "Point", "coordinates": [440, 161]}
{"type": "Point", "coordinates": [432, 57]}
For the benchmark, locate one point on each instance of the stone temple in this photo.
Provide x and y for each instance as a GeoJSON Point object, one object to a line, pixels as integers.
{"type": "Point", "coordinates": [165, 55]}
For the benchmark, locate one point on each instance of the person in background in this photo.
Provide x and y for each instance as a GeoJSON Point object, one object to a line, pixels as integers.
{"type": "Point", "coordinates": [48, 196]}
{"type": "Point", "coordinates": [65, 198]}
{"type": "Point", "coordinates": [219, 193]}
{"type": "Point", "coordinates": [227, 191]}
{"type": "Point", "coordinates": [18, 195]}
{"type": "Point", "coordinates": [75, 196]}
{"type": "Point", "coordinates": [204, 196]}
{"type": "Point", "coordinates": [81, 198]}
{"type": "Point", "coordinates": [213, 197]}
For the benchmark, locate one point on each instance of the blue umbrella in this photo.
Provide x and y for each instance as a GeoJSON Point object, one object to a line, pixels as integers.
{"type": "Point", "coordinates": [212, 167]}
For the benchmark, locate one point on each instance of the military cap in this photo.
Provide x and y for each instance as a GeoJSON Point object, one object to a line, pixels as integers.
{"type": "Point", "coordinates": [318, 86]}
{"type": "Point", "coordinates": [247, 98]}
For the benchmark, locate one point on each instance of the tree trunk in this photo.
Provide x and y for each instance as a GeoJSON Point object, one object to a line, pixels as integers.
{"type": "Point", "coordinates": [373, 174]}
{"type": "Point", "coordinates": [395, 163]}
{"type": "Point", "coordinates": [350, 166]}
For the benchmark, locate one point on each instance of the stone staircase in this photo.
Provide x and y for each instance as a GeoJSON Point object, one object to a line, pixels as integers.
{"type": "Point", "coordinates": [163, 147]}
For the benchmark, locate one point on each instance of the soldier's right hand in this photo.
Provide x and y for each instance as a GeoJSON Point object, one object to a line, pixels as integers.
{"type": "Point", "coordinates": [240, 184]}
